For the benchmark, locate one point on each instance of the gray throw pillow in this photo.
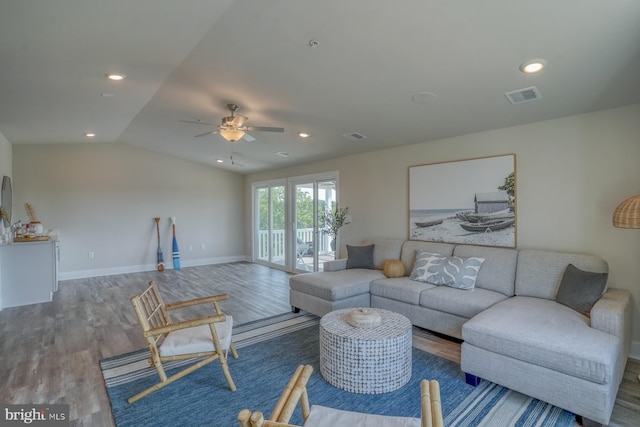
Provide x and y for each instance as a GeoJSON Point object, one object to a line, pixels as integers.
{"type": "Point", "coordinates": [580, 289]}
{"type": "Point", "coordinates": [456, 272]}
{"type": "Point", "coordinates": [360, 256]}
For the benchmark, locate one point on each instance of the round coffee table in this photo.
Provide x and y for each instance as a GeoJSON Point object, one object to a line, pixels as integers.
{"type": "Point", "coordinates": [365, 360]}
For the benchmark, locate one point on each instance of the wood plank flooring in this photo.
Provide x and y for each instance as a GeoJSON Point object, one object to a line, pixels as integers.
{"type": "Point", "coordinates": [49, 352]}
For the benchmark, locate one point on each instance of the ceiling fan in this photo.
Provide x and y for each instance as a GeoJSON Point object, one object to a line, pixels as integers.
{"type": "Point", "coordinates": [233, 127]}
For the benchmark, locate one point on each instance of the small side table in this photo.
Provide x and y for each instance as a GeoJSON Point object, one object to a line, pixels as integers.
{"type": "Point", "coordinates": [366, 360]}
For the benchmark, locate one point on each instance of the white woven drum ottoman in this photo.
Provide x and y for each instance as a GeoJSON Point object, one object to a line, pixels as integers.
{"type": "Point", "coordinates": [368, 360]}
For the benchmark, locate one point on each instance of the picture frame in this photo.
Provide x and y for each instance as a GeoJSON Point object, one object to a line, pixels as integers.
{"type": "Point", "coordinates": [471, 201]}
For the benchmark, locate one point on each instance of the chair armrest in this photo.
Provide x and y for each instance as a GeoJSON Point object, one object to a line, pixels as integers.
{"type": "Point", "coordinates": [612, 314]}
{"type": "Point", "coordinates": [196, 301]}
{"type": "Point", "coordinates": [335, 265]}
{"type": "Point", "coordinates": [185, 324]}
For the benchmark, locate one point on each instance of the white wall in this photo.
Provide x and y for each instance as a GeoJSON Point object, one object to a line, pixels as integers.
{"type": "Point", "coordinates": [571, 174]}
{"type": "Point", "coordinates": [103, 197]}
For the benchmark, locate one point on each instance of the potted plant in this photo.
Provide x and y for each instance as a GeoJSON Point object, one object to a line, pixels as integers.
{"type": "Point", "coordinates": [333, 220]}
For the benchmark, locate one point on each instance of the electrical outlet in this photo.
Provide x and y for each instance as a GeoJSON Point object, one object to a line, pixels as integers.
{"type": "Point", "coordinates": [203, 246]}
{"type": "Point", "coordinates": [92, 255]}
{"type": "Point", "coordinates": [190, 248]}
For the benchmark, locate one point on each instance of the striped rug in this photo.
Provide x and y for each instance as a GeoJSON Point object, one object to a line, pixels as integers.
{"type": "Point", "coordinates": [269, 351]}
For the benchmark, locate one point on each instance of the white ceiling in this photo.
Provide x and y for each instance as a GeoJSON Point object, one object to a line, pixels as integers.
{"type": "Point", "coordinates": [186, 59]}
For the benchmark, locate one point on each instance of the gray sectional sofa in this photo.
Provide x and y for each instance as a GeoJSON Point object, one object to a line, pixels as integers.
{"type": "Point", "coordinates": [514, 332]}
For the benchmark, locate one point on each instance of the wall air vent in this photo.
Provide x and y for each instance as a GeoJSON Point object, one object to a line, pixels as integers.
{"type": "Point", "coordinates": [523, 95]}
{"type": "Point", "coordinates": [354, 136]}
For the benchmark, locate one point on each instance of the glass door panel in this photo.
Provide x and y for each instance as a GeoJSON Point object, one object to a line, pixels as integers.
{"type": "Point", "coordinates": [312, 245]}
{"type": "Point", "coordinates": [270, 221]}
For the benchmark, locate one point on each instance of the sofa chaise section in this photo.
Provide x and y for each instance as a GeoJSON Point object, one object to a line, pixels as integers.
{"type": "Point", "coordinates": [532, 344]}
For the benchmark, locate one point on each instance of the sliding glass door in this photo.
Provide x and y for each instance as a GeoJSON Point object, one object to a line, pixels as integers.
{"type": "Point", "coordinates": [287, 227]}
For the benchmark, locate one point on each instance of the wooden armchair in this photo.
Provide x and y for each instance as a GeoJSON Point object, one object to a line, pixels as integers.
{"type": "Point", "coordinates": [208, 337]}
{"type": "Point", "coordinates": [319, 416]}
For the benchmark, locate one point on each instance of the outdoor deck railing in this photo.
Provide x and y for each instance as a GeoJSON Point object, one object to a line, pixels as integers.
{"type": "Point", "coordinates": [278, 242]}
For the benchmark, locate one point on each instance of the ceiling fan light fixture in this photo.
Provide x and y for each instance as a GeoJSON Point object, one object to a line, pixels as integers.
{"type": "Point", "coordinates": [231, 135]}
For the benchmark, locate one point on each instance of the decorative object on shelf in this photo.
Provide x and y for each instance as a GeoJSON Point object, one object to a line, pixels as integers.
{"type": "Point", "coordinates": [35, 227]}
{"type": "Point", "coordinates": [333, 220]}
{"type": "Point", "coordinates": [363, 318]}
{"type": "Point", "coordinates": [627, 215]}
{"type": "Point", "coordinates": [393, 268]}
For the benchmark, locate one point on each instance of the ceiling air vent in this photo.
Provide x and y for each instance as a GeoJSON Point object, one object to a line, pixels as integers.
{"type": "Point", "coordinates": [523, 95]}
{"type": "Point", "coordinates": [354, 136]}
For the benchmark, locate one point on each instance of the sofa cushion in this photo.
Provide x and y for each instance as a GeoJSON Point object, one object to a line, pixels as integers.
{"type": "Point", "coordinates": [400, 289]}
{"type": "Point", "coordinates": [384, 249]}
{"type": "Point", "coordinates": [498, 272]}
{"type": "Point", "coordinates": [437, 269]}
{"type": "Point", "coordinates": [360, 256]}
{"type": "Point", "coordinates": [458, 302]}
{"type": "Point", "coordinates": [539, 272]}
{"type": "Point", "coordinates": [335, 285]}
{"type": "Point", "coordinates": [410, 249]}
{"type": "Point", "coordinates": [547, 334]}
{"type": "Point", "coordinates": [580, 289]}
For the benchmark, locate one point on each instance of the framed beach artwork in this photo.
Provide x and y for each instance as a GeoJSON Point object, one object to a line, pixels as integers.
{"type": "Point", "coordinates": [468, 201]}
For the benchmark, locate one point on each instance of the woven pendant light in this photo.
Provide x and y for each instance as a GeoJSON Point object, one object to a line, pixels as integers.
{"type": "Point", "coordinates": [627, 214]}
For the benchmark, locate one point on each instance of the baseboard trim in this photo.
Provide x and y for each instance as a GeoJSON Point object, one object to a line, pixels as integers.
{"type": "Point", "coordinates": [83, 274]}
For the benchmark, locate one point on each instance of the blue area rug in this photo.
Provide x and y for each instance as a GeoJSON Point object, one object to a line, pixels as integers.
{"type": "Point", "coordinates": [270, 350]}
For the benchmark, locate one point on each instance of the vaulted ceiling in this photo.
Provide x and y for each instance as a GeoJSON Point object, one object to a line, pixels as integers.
{"type": "Point", "coordinates": [399, 72]}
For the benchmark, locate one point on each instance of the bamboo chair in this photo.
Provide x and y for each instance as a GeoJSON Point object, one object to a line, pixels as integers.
{"type": "Point", "coordinates": [317, 416]}
{"type": "Point", "coordinates": [204, 339]}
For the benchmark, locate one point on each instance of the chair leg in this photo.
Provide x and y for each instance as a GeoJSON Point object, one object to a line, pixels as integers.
{"type": "Point", "coordinates": [174, 377]}
{"type": "Point", "coordinates": [233, 350]}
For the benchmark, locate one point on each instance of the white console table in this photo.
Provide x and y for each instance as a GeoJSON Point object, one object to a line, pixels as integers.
{"type": "Point", "coordinates": [28, 272]}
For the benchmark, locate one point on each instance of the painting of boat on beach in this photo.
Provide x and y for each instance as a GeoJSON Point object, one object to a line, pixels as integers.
{"type": "Point", "coordinates": [469, 201]}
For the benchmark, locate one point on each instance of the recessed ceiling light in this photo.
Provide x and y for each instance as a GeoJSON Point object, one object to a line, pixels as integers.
{"type": "Point", "coordinates": [90, 134]}
{"type": "Point", "coordinates": [303, 135]}
{"type": "Point", "coordinates": [219, 161]}
{"type": "Point", "coordinates": [533, 66]}
{"type": "Point", "coordinates": [115, 76]}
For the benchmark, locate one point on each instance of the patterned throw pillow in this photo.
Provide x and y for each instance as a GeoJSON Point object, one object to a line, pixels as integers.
{"type": "Point", "coordinates": [436, 269]}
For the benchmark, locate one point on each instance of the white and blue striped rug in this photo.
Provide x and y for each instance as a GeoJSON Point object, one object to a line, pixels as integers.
{"type": "Point", "coordinates": [269, 350]}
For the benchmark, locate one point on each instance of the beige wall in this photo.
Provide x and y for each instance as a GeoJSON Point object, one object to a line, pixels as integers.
{"type": "Point", "coordinates": [571, 174]}
{"type": "Point", "coordinates": [103, 197]}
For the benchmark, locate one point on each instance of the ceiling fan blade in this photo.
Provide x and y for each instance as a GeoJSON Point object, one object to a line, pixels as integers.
{"type": "Point", "coordinates": [264, 129]}
{"type": "Point", "coordinates": [206, 133]}
{"type": "Point", "coordinates": [248, 137]}
{"type": "Point", "coordinates": [196, 122]}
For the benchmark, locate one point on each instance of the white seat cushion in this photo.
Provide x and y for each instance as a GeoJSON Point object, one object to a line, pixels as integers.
{"type": "Point", "coordinates": [321, 416]}
{"type": "Point", "coordinates": [197, 339]}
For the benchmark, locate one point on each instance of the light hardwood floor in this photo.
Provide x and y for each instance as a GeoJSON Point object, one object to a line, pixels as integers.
{"type": "Point", "coordinates": [50, 352]}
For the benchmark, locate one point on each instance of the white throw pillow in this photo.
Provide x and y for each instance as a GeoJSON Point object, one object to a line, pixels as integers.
{"type": "Point", "coordinates": [436, 269]}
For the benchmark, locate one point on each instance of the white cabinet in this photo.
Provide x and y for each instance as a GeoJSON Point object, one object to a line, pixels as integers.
{"type": "Point", "coordinates": [28, 273]}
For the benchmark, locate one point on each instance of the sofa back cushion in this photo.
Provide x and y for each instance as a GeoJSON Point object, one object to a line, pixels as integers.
{"type": "Point", "coordinates": [410, 249]}
{"type": "Point", "coordinates": [498, 271]}
{"type": "Point", "coordinates": [539, 272]}
{"type": "Point", "coordinates": [384, 249]}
